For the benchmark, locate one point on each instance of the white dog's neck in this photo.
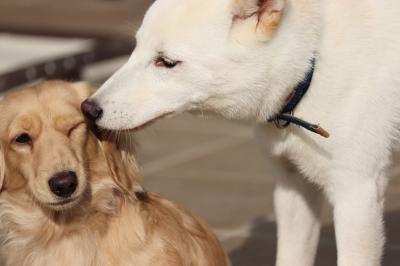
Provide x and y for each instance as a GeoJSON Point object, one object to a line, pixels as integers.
{"type": "Point", "coordinates": [293, 47]}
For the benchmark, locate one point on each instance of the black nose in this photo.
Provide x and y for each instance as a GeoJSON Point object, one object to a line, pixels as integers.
{"type": "Point", "coordinates": [63, 184]}
{"type": "Point", "coordinates": [91, 110]}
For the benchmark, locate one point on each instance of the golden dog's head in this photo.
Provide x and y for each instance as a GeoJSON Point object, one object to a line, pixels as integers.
{"type": "Point", "coordinates": [47, 150]}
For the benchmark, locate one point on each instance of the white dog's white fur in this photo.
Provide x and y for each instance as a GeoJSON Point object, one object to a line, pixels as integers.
{"type": "Point", "coordinates": [242, 58]}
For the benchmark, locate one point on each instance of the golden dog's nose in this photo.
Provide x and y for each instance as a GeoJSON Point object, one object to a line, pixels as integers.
{"type": "Point", "coordinates": [63, 184]}
{"type": "Point", "coordinates": [91, 110]}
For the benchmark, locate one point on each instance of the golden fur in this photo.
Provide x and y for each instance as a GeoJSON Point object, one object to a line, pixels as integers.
{"type": "Point", "coordinates": [111, 220]}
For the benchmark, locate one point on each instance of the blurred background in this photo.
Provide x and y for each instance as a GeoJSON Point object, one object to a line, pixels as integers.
{"type": "Point", "coordinates": [210, 165]}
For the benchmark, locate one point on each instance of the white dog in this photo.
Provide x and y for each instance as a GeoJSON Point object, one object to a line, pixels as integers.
{"type": "Point", "coordinates": [243, 59]}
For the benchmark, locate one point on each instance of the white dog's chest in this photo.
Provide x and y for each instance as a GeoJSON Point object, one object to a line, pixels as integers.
{"type": "Point", "coordinates": [310, 158]}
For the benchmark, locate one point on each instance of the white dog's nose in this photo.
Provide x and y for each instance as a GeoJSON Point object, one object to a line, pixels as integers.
{"type": "Point", "coordinates": [91, 110]}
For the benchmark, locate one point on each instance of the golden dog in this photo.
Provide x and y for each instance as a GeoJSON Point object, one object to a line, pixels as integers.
{"type": "Point", "coordinates": [67, 198]}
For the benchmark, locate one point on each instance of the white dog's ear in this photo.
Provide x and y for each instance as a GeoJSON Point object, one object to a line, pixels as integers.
{"type": "Point", "coordinates": [2, 168]}
{"type": "Point", "coordinates": [256, 19]}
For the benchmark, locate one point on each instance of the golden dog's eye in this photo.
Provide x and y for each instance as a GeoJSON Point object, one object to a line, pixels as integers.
{"type": "Point", "coordinates": [162, 61]}
{"type": "Point", "coordinates": [24, 138]}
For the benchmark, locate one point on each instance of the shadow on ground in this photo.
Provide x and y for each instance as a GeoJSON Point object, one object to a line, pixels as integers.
{"type": "Point", "coordinates": [259, 249]}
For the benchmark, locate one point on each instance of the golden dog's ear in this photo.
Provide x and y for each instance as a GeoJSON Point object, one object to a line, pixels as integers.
{"type": "Point", "coordinates": [82, 89]}
{"type": "Point", "coordinates": [2, 168]}
{"type": "Point", "coordinates": [256, 19]}
{"type": "Point", "coordinates": [123, 167]}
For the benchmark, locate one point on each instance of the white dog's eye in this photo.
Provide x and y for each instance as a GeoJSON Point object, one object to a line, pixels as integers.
{"type": "Point", "coordinates": [162, 61]}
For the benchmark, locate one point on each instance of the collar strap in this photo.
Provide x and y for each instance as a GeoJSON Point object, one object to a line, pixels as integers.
{"type": "Point", "coordinates": [286, 117]}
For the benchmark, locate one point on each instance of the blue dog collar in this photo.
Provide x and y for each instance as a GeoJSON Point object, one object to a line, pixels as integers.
{"type": "Point", "coordinates": [286, 116]}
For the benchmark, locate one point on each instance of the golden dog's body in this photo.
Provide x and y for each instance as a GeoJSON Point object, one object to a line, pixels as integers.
{"type": "Point", "coordinates": [109, 219]}
{"type": "Point", "coordinates": [154, 232]}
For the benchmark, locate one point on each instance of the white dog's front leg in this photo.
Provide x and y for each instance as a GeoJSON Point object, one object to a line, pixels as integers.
{"type": "Point", "coordinates": [298, 205]}
{"type": "Point", "coordinates": [358, 211]}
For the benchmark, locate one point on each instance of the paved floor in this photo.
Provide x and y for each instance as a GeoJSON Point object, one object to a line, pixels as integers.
{"type": "Point", "coordinates": [20, 51]}
{"type": "Point", "coordinates": [74, 17]}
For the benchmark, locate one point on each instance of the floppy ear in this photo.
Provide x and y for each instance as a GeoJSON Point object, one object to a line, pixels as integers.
{"type": "Point", "coordinates": [123, 167]}
{"type": "Point", "coordinates": [2, 168]}
{"type": "Point", "coordinates": [256, 19]}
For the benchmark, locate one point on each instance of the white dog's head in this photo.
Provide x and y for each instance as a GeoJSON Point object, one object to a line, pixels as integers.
{"type": "Point", "coordinates": [239, 58]}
